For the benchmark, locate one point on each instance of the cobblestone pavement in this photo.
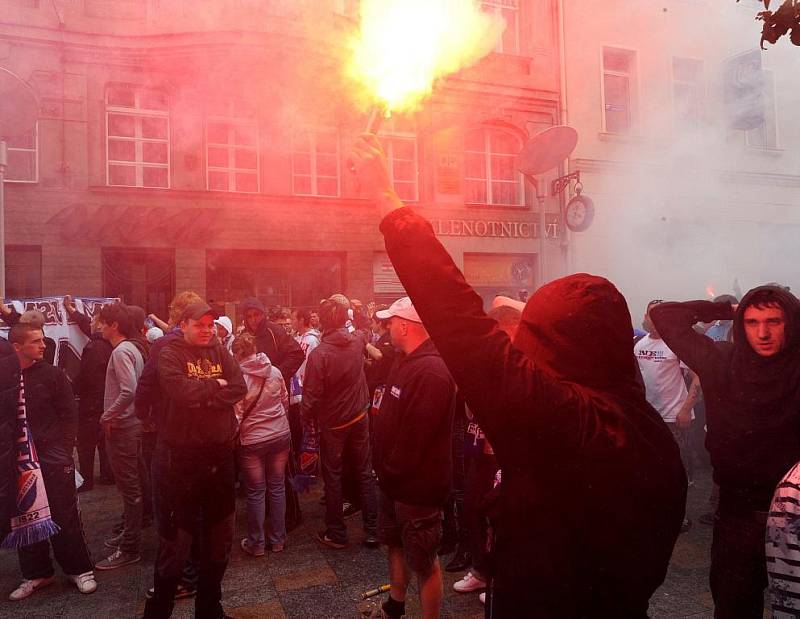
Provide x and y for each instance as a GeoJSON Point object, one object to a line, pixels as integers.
{"type": "Point", "coordinates": [307, 580]}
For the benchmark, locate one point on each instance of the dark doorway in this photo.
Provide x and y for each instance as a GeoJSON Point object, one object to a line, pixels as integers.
{"type": "Point", "coordinates": [144, 277]}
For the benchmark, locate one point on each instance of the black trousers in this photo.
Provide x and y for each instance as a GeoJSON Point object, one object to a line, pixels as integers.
{"type": "Point", "coordinates": [738, 565]}
{"type": "Point", "coordinates": [69, 545]}
{"type": "Point", "coordinates": [90, 438]}
{"type": "Point", "coordinates": [480, 481]}
{"type": "Point", "coordinates": [349, 444]}
{"type": "Point", "coordinates": [188, 486]}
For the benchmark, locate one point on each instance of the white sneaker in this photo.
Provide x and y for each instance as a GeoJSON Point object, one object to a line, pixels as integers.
{"type": "Point", "coordinates": [85, 582]}
{"type": "Point", "coordinates": [469, 583]}
{"type": "Point", "coordinates": [27, 587]}
{"type": "Point", "coordinates": [482, 597]}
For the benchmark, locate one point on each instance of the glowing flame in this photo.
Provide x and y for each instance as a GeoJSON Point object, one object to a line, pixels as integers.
{"type": "Point", "coordinates": [404, 46]}
{"type": "Point", "coordinates": [710, 291]}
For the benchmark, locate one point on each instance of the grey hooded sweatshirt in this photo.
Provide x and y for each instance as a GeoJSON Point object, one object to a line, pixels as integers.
{"type": "Point", "coordinates": [267, 419]}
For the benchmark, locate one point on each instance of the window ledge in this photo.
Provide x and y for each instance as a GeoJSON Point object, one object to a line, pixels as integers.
{"type": "Point", "coordinates": [770, 151]}
{"type": "Point", "coordinates": [633, 138]}
{"type": "Point", "coordinates": [497, 207]}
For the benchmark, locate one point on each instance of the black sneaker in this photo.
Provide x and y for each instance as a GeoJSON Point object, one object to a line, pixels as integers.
{"type": "Point", "coordinates": [181, 593]}
{"type": "Point", "coordinates": [371, 541]}
{"type": "Point", "coordinates": [322, 538]}
{"type": "Point", "coordinates": [349, 510]}
{"type": "Point", "coordinates": [460, 562]}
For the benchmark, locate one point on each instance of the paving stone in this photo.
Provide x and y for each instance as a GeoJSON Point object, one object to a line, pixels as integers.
{"type": "Point", "coordinates": [308, 580]}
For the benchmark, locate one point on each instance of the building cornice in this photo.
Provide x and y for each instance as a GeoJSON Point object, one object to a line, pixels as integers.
{"type": "Point", "coordinates": [741, 177]}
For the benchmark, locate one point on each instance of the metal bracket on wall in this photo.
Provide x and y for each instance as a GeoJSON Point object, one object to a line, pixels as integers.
{"type": "Point", "coordinates": [560, 184]}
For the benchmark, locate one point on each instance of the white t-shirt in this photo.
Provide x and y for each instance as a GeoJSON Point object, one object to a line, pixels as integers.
{"type": "Point", "coordinates": [663, 377]}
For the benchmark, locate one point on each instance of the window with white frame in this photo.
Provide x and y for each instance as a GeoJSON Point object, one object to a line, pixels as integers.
{"type": "Point", "coordinates": [137, 137]}
{"type": "Point", "coordinates": [315, 162]}
{"type": "Point", "coordinates": [619, 88]}
{"type": "Point", "coordinates": [688, 90]}
{"type": "Point", "coordinates": [489, 168]}
{"type": "Point", "coordinates": [23, 160]}
{"type": "Point", "coordinates": [399, 141]}
{"type": "Point", "coordinates": [766, 136]}
{"type": "Point", "coordinates": [508, 10]}
{"type": "Point", "coordinates": [232, 155]}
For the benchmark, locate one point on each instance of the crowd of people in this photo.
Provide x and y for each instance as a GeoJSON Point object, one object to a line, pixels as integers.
{"type": "Point", "coordinates": [544, 446]}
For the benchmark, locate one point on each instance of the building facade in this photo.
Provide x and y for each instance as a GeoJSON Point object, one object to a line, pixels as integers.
{"type": "Point", "coordinates": [688, 147]}
{"type": "Point", "coordinates": [194, 144]}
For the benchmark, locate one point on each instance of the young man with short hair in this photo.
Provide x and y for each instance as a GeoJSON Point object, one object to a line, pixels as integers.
{"type": "Point", "coordinates": [666, 391]}
{"type": "Point", "coordinates": [752, 393]}
{"type": "Point", "coordinates": [335, 396]}
{"type": "Point", "coordinates": [51, 419]}
{"type": "Point", "coordinates": [194, 465]}
{"type": "Point", "coordinates": [123, 431]}
{"type": "Point", "coordinates": [413, 459]}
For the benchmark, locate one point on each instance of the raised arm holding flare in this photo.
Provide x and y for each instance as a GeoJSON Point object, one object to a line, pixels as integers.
{"type": "Point", "coordinates": [593, 488]}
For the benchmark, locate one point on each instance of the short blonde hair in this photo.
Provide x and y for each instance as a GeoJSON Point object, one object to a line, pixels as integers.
{"type": "Point", "coordinates": [179, 303]}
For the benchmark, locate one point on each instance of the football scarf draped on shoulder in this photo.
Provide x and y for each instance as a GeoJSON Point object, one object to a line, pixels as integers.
{"type": "Point", "coordinates": [32, 522]}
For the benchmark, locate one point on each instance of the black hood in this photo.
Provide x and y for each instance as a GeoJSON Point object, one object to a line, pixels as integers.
{"type": "Point", "coordinates": [791, 309]}
{"type": "Point", "coordinates": [338, 337]}
{"type": "Point", "coordinates": [578, 329]}
{"type": "Point", "coordinates": [761, 382]}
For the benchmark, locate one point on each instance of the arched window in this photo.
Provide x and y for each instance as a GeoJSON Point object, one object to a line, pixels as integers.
{"type": "Point", "coordinates": [489, 168]}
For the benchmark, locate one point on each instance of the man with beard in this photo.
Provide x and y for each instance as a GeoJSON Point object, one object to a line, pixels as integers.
{"type": "Point", "coordinates": [752, 395]}
{"type": "Point", "coordinates": [593, 487]}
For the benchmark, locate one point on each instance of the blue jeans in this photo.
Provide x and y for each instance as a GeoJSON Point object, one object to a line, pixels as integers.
{"type": "Point", "coordinates": [264, 465]}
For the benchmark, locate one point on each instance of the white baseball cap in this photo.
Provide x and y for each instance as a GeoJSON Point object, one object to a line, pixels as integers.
{"type": "Point", "coordinates": [402, 308]}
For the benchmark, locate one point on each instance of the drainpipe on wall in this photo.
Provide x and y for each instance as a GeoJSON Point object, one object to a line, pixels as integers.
{"type": "Point", "coordinates": [566, 254]}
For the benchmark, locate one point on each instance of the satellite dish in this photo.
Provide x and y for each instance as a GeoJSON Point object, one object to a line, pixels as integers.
{"type": "Point", "coordinates": [19, 108]}
{"type": "Point", "coordinates": [547, 149]}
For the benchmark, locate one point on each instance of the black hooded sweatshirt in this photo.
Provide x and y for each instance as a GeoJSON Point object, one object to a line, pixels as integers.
{"type": "Point", "coordinates": [593, 490]}
{"type": "Point", "coordinates": [752, 402]}
{"type": "Point", "coordinates": [271, 339]}
{"type": "Point", "coordinates": [335, 388]}
{"type": "Point", "coordinates": [198, 412]}
{"type": "Point", "coordinates": [412, 442]}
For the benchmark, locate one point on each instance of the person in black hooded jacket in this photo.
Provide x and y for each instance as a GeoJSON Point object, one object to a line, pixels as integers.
{"type": "Point", "coordinates": [752, 393]}
{"type": "Point", "coordinates": [271, 339]}
{"type": "Point", "coordinates": [593, 489]}
{"type": "Point", "coordinates": [335, 394]}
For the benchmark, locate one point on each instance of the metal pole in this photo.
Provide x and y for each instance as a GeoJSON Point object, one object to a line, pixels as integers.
{"type": "Point", "coordinates": [3, 164]}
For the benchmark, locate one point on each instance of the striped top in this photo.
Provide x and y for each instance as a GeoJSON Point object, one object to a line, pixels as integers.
{"type": "Point", "coordinates": [783, 547]}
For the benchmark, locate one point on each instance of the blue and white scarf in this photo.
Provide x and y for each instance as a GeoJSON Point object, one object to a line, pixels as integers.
{"type": "Point", "coordinates": [32, 522]}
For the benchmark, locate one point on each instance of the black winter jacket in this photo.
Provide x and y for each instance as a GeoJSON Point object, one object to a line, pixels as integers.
{"type": "Point", "coordinates": [50, 407]}
{"type": "Point", "coordinates": [283, 351]}
{"type": "Point", "coordinates": [8, 433]}
{"type": "Point", "coordinates": [412, 444]}
{"type": "Point", "coordinates": [335, 388]}
{"type": "Point", "coordinates": [593, 491]}
{"type": "Point", "coordinates": [198, 413]}
{"type": "Point", "coordinates": [90, 384]}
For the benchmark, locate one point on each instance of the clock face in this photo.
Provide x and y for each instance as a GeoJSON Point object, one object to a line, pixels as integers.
{"type": "Point", "coordinates": [579, 213]}
{"type": "Point", "coordinates": [576, 214]}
